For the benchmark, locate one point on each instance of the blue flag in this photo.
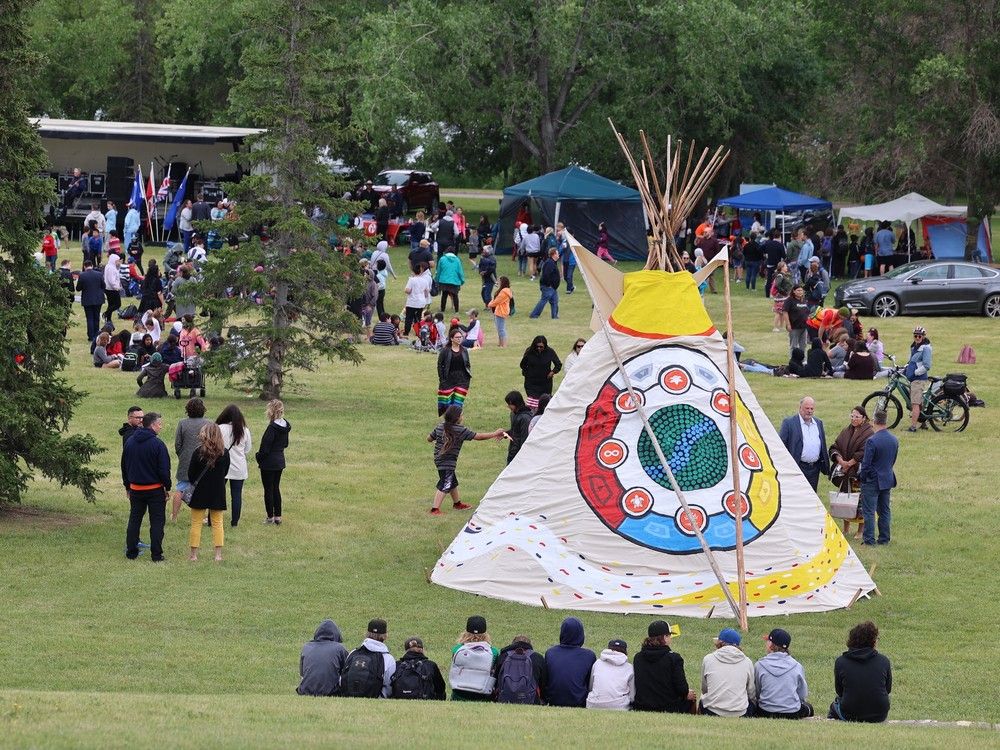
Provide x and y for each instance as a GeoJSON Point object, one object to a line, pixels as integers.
{"type": "Point", "coordinates": [175, 206]}
{"type": "Point", "coordinates": [138, 197]}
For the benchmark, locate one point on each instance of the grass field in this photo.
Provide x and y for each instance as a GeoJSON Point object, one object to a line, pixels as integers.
{"type": "Point", "coordinates": [100, 651]}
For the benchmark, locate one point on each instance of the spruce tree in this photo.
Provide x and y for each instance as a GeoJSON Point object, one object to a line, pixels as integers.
{"type": "Point", "coordinates": [37, 402]}
{"type": "Point", "coordinates": [286, 287]}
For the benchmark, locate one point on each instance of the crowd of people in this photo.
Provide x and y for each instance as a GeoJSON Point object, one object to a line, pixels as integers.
{"type": "Point", "coordinates": [570, 675]}
{"type": "Point", "coordinates": [210, 456]}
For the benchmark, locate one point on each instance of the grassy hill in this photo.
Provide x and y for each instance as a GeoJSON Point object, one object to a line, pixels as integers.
{"type": "Point", "coordinates": [102, 651]}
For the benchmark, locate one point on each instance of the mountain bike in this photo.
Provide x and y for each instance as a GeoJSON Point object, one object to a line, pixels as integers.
{"type": "Point", "coordinates": [944, 412]}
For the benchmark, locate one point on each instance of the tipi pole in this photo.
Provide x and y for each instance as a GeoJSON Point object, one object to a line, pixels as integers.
{"type": "Point", "coordinates": [734, 459]}
{"type": "Point", "coordinates": [648, 428]}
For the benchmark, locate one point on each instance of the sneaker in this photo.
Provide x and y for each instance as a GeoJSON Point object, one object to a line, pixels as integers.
{"type": "Point", "coordinates": [911, 429]}
{"type": "Point", "coordinates": [435, 511]}
{"type": "Point", "coordinates": [460, 506]}
{"type": "Point", "coordinates": [143, 545]}
{"type": "Point", "coordinates": [268, 520]}
{"type": "Point", "coordinates": [277, 522]}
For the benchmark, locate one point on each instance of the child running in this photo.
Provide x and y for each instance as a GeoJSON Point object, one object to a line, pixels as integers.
{"type": "Point", "coordinates": [448, 438]}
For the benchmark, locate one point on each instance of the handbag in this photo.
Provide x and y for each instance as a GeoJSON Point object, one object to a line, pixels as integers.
{"type": "Point", "coordinates": [844, 504]}
{"type": "Point", "coordinates": [188, 495]}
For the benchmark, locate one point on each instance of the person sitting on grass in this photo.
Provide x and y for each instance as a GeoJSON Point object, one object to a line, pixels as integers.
{"type": "Point", "coordinates": [150, 379]}
{"type": "Point", "coordinates": [660, 684]}
{"type": "Point", "coordinates": [102, 358]}
{"type": "Point", "coordinates": [473, 663]}
{"type": "Point", "coordinates": [862, 678]}
{"type": "Point", "coordinates": [521, 673]}
{"type": "Point", "coordinates": [780, 681]}
{"type": "Point", "coordinates": [170, 351]}
{"type": "Point", "coordinates": [361, 676]}
{"type": "Point", "coordinates": [612, 680]}
{"type": "Point", "coordinates": [448, 438]}
{"type": "Point", "coordinates": [727, 681]}
{"type": "Point", "coordinates": [386, 331]}
{"type": "Point", "coordinates": [417, 677]}
{"type": "Point", "coordinates": [569, 665]}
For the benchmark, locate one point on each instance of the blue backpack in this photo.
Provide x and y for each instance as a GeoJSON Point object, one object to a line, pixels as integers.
{"type": "Point", "coordinates": [516, 680]}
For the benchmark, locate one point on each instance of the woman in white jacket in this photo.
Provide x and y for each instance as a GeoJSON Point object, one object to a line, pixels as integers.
{"type": "Point", "coordinates": [612, 681]}
{"type": "Point", "coordinates": [236, 437]}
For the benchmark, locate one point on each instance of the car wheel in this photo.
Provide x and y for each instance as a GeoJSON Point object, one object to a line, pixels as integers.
{"type": "Point", "coordinates": [991, 307]}
{"type": "Point", "coordinates": [885, 306]}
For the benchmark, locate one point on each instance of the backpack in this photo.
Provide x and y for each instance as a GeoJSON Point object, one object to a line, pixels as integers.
{"type": "Point", "coordinates": [128, 313]}
{"type": "Point", "coordinates": [362, 675]}
{"type": "Point", "coordinates": [413, 679]}
{"type": "Point", "coordinates": [516, 681]}
{"type": "Point", "coordinates": [471, 668]}
{"type": "Point", "coordinates": [130, 362]}
{"type": "Point", "coordinates": [967, 356]}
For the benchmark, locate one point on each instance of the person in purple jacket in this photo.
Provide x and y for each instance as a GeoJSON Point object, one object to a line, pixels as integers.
{"type": "Point", "coordinates": [568, 666]}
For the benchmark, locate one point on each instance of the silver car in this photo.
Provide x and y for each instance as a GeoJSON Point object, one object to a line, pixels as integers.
{"type": "Point", "coordinates": [936, 286]}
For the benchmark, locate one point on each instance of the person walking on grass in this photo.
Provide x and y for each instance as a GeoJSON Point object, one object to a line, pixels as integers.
{"type": "Point", "coordinates": [185, 444]}
{"type": "Point", "coordinates": [539, 366]}
{"type": "Point", "coordinates": [147, 469]}
{"type": "Point", "coordinates": [448, 438]}
{"type": "Point", "coordinates": [237, 439]}
{"type": "Point", "coordinates": [454, 372]}
{"type": "Point", "coordinates": [548, 284]}
{"type": "Point", "coordinates": [451, 276]}
{"type": "Point", "coordinates": [207, 473]}
{"type": "Point", "coordinates": [502, 306]}
{"type": "Point", "coordinates": [271, 459]}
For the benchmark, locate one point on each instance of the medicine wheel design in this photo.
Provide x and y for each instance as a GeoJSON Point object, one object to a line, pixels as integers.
{"type": "Point", "coordinates": [685, 396]}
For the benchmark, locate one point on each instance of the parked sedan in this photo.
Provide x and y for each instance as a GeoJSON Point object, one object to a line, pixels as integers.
{"type": "Point", "coordinates": [937, 286]}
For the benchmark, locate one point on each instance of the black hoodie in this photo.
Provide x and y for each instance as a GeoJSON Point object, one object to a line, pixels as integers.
{"type": "Point", "coordinates": [660, 684]}
{"type": "Point", "coordinates": [126, 432]}
{"type": "Point", "coordinates": [321, 661]}
{"type": "Point", "coordinates": [538, 667]}
{"type": "Point", "coordinates": [440, 691]}
{"type": "Point", "coordinates": [271, 454]}
{"type": "Point", "coordinates": [862, 678]}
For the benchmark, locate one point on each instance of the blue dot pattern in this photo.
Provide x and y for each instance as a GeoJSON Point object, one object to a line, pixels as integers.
{"type": "Point", "coordinates": [692, 444]}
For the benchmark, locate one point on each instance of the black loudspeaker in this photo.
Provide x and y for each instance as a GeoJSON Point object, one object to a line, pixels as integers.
{"type": "Point", "coordinates": [121, 175]}
{"type": "Point", "coordinates": [98, 184]}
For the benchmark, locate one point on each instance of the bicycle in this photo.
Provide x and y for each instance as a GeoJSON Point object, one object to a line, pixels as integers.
{"type": "Point", "coordinates": [944, 412]}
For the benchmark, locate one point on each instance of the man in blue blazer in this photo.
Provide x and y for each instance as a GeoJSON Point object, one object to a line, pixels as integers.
{"type": "Point", "coordinates": [90, 285]}
{"type": "Point", "coordinates": [805, 440]}
{"type": "Point", "coordinates": [878, 479]}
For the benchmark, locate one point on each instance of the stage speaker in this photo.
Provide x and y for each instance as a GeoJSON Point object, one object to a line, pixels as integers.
{"type": "Point", "coordinates": [120, 176]}
{"type": "Point", "coordinates": [98, 184]}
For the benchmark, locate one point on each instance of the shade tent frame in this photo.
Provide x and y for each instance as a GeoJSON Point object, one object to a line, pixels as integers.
{"type": "Point", "coordinates": [776, 199]}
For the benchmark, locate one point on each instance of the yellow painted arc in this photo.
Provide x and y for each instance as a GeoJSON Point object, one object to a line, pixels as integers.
{"type": "Point", "coordinates": [661, 304]}
{"type": "Point", "coordinates": [764, 486]}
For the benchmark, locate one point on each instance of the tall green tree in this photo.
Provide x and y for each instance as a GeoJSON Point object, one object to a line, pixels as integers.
{"type": "Point", "coordinates": [302, 285]}
{"type": "Point", "coordinates": [140, 93]}
{"type": "Point", "coordinates": [38, 404]}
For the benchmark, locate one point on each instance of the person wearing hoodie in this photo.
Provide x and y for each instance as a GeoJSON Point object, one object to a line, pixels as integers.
{"type": "Point", "coordinates": [150, 379]}
{"type": "Point", "coordinates": [450, 275]}
{"type": "Point", "coordinates": [660, 683]}
{"type": "Point", "coordinates": [612, 680]}
{"type": "Point", "coordinates": [185, 444]}
{"type": "Point", "coordinates": [271, 459]}
{"type": "Point", "coordinates": [862, 678]}
{"type": "Point", "coordinates": [147, 468]}
{"type": "Point", "coordinates": [568, 666]}
{"type": "Point", "coordinates": [727, 680]}
{"type": "Point", "coordinates": [321, 661]}
{"type": "Point", "coordinates": [357, 678]}
{"type": "Point", "coordinates": [519, 648]}
{"type": "Point", "coordinates": [780, 681]}
{"type": "Point", "coordinates": [520, 421]}
{"type": "Point", "coordinates": [112, 285]}
{"type": "Point", "coordinates": [416, 676]}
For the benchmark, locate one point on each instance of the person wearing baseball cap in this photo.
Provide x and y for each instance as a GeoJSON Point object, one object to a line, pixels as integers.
{"type": "Point", "coordinates": [473, 663]}
{"type": "Point", "coordinates": [916, 372]}
{"type": "Point", "coordinates": [780, 681]}
{"type": "Point", "coordinates": [357, 676]}
{"type": "Point", "coordinates": [660, 684]}
{"type": "Point", "coordinates": [612, 680]}
{"type": "Point", "coordinates": [727, 680]}
{"type": "Point", "coordinates": [417, 677]}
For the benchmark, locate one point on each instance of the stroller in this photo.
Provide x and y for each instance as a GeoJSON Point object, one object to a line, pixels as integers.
{"type": "Point", "coordinates": [187, 375]}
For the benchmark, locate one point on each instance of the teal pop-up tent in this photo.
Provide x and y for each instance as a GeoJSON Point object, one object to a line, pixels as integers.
{"type": "Point", "coordinates": [581, 200]}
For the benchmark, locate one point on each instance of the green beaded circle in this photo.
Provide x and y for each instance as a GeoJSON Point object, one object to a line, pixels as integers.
{"type": "Point", "coordinates": [692, 444]}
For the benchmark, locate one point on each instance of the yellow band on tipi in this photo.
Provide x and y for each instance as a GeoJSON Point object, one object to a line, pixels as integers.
{"type": "Point", "coordinates": [659, 304]}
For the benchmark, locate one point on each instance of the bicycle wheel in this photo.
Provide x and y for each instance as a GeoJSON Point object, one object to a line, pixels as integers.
{"type": "Point", "coordinates": [948, 414]}
{"type": "Point", "coordinates": [887, 403]}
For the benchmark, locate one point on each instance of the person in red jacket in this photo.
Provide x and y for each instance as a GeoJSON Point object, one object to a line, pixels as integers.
{"type": "Point", "coordinates": [50, 248]}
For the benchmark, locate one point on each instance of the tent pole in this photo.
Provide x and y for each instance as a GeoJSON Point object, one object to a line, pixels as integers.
{"type": "Point", "coordinates": [647, 427]}
{"type": "Point", "coordinates": [741, 575]}
{"type": "Point", "coordinates": [555, 220]}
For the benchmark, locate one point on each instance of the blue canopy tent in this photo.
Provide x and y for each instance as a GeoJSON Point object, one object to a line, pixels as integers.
{"type": "Point", "coordinates": [776, 199]}
{"type": "Point", "coordinates": [581, 200]}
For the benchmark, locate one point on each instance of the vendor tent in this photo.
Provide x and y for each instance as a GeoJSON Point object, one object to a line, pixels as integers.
{"type": "Point", "coordinates": [581, 200]}
{"type": "Point", "coordinates": [775, 199]}
{"type": "Point", "coordinates": [945, 227]}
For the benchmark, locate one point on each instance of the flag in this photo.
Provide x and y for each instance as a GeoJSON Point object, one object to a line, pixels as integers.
{"type": "Point", "coordinates": [136, 198]}
{"type": "Point", "coordinates": [163, 192]}
{"type": "Point", "coordinates": [150, 201]}
{"type": "Point", "coordinates": [171, 216]}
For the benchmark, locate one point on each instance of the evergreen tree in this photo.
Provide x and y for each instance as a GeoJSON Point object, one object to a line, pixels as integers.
{"type": "Point", "coordinates": [37, 404]}
{"type": "Point", "coordinates": [287, 287]}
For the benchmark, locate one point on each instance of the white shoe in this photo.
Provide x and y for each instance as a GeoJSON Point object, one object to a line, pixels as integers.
{"type": "Point", "coordinates": [775, 330]}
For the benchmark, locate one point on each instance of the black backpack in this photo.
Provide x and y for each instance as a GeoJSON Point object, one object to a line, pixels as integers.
{"type": "Point", "coordinates": [413, 680]}
{"type": "Point", "coordinates": [128, 313]}
{"type": "Point", "coordinates": [362, 674]}
{"type": "Point", "coordinates": [130, 362]}
{"type": "Point", "coordinates": [516, 682]}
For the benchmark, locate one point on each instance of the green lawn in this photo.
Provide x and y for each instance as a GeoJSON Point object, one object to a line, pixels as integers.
{"type": "Point", "coordinates": [102, 651]}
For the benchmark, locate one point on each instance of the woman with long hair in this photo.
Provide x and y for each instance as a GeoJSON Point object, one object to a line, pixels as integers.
{"type": "Point", "coordinates": [539, 365]}
{"type": "Point", "coordinates": [475, 681]}
{"type": "Point", "coordinates": [448, 437]}
{"type": "Point", "coordinates": [207, 472]}
{"type": "Point", "coordinates": [845, 458]}
{"type": "Point", "coordinates": [151, 289]}
{"type": "Point", "coordinates": [501, 305]}
{"type": "Point", "coordinates": [454, 372]}
{"type": "Point", "coordinates": [271, 459]}
{"type": "Point", "coordinates": [574, 355]}
{"type": "Point", "coordinates": [236, 437]}
{"type": "Point", "coordinates": [781, 287]}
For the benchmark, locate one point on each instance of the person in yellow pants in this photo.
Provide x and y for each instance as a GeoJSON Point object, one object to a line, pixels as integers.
{"type": "Point", "coordinates": [207, 472]}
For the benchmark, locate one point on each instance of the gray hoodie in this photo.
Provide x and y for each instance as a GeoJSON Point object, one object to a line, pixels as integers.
{"type": "Point", "coordinates": [186, 443]}
{"type": "Point", "coordinates": [321, 661]}
{"type": "Point", "coordinates": [727, 682]}
{"type": "Point", "coordinates": [390, 664]}
{"type": "Point", "coordinates": [612, 682]}
{"type": "Point", "coordinates": [781, 683]}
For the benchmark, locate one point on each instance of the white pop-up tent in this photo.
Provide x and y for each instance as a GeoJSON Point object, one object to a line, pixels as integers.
{"type": "Point", "coordinates": [945, 225]}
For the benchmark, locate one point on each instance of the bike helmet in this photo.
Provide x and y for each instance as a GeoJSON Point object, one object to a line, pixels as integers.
{"type": "Point", "coordinates": [919, 331]}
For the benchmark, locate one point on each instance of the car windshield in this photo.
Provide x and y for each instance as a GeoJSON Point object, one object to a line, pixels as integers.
{"type": "Point", "coordinates": [393, 178]}
{"type": "Point", "coordinates": [901, 270]}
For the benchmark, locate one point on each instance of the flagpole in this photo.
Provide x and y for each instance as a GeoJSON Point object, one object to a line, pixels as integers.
{"type": "Point", "coordinates": [734, 461]}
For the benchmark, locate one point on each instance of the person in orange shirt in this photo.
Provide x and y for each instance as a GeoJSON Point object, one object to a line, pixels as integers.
{"type": "Point", "coordinates": [191, 341]}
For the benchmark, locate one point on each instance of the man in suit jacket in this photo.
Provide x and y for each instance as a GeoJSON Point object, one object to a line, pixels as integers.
{"type": "Point", "coordinates": [90, 285]}
{"type": "Point", "coordinates": [805, 440]}
{"type": "Point", "coordinates": [878, 479]}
